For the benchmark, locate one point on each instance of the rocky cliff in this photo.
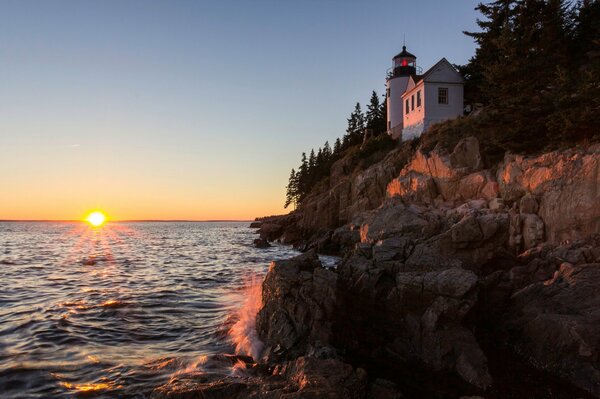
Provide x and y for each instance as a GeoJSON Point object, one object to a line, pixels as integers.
{"type": "Point", "coordinates": [458, 277]}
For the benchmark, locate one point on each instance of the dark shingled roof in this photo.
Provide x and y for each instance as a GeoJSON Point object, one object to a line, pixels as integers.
{"type": "Point", "coordinates": [404, 53]}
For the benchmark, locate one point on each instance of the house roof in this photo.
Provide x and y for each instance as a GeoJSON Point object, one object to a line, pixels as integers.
{"type": "Point", "coordinates": [430, 70]}
{"type": "Point", "coordinates": [418, 78]}
{"type": "Point", "coordinates": [404, 53]}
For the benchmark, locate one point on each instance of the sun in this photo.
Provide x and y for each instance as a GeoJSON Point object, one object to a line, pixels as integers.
{"type": "Point", "coordinates": [96, 218]}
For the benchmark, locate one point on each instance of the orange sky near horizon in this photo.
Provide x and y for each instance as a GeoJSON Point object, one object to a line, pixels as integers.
{"type": "Point", "coordinates": [128, 184]}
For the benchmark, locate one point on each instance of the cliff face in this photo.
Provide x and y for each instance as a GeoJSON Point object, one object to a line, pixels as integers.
{"type": "Point", "coordinates": [456, 277]}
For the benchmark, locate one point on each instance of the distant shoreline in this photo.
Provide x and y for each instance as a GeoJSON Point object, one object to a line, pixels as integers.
{"type": "Point", "coordinates": [128, 221]}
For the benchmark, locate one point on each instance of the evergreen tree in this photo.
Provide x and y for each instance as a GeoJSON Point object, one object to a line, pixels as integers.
{"type": "Point", "coordinates": [337, 146]}
{"type": "Point", "coordinates": [302, 178]}
{"type": "Point", "coordinates": [291, 196]}
{"type": "Point", "coordinates": [372, 116]}
{"type": "Point", "coordinates": [383, 115]}
{"type": "Point", "coordinates": [356, 126]}
{"type": "Point", "coordinates": [312, 168]}
{"type": "Point", "coordinates": [326, 152]}
{"type": "Point", "coordinates": [376, 115]}
{"type": "Point", "coordinates": [319, 163]}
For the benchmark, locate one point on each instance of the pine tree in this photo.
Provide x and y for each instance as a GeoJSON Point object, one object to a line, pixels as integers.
{"type": "Point", "coordinates": [356, 126]}
{"type": "Point", "coordinates": [326, 152]}
{"type": "Point", "coordinates": [372, 116]}
{"type": "Point", "coordinates": [383, 116]}
{"type": "Point", "coordinates": [302, 178]}
{"type": "Point", "coordinates": [291, 195]}
{"type": "Point", "coordinates": [496, 21]}
{"type": "Point", "coordinates": [337, 147]}
{"type": "Point", "coordinates": [312, 168]}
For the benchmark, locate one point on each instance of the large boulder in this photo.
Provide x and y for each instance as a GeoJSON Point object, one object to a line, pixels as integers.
{"type": "Point", "coordinates": [298, 303]}
{"type": "Point", "coordinates": [556, 324]}
{"type": "Point", "coordinates": [455, 176]}
{"type": "Point", "coordinates": [563, 185]}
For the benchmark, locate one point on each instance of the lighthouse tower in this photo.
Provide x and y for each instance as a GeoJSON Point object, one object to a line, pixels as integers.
{"type": "Point", "coordinates": [404, 65]}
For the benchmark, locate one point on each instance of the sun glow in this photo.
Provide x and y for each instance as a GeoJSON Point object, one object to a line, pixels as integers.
{"type": "Point", "coordinates": [96, 219]}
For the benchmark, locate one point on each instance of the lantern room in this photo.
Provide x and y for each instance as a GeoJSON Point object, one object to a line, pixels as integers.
{"type": "Point", "coordinates": [405, 64]}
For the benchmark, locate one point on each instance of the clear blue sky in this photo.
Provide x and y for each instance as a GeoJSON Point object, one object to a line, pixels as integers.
{"type": "Point", "coordinates": [191, 109]}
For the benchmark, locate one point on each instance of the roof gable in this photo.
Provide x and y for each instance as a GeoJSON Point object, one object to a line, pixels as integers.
{"type": "Point", "coordinates": [442, 71]}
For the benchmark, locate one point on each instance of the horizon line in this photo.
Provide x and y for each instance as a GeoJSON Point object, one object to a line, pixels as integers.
{"type": "Point", "coordinates": [128, 220]}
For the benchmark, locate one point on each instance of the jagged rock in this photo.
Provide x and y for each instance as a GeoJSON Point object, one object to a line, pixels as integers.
{"type": "Point", "coordinates": [324, 378]}
{"type": "Point", "coordinates": [413, 186]}
{"type": "Point", "coordinates": [567, 186]}
{"type": "Point", "coordinates": [533, 230]}
{"type": "Point", "coordinates": [298, 301]}
{"type": "Point", "coordinates": [466, 154]}
{"type": "Point", "coordinates": [528, 204]}
{"type": "Point", "coordinates": [434, 250]}
{"type": "Point", "coordinates": [391, 249]}
{"type": "Point", "coordinates": [270, 231]}
{"type": "Point", "coordinates": [261, 243]}
{"type": "Point", "coordinates": [397, 220]}
{"type": "Point", "coordinates": [304, 377]}
{"type": "Point", "coordinates": [256, 224]}
{"type": "Point", "coordinates": [496, 204]}
{"type": "Point", "coordinates": [557, 324]}
{"type": "Point", "coordinates": [466, 232]}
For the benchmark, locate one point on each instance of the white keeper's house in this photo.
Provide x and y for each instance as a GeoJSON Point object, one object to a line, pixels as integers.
{"type": "Point", "coordinates": [417, 100]}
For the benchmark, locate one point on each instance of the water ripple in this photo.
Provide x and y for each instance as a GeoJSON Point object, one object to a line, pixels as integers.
{"type": "Point", "coordinates": [114, 312]}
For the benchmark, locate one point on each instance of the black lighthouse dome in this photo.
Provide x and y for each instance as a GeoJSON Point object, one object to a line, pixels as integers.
{"type": "Point", "coordinates": [405, 63]}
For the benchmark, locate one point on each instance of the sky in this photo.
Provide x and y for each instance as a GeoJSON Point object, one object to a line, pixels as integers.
{"type": "Point", "coordinates": [191, 110]}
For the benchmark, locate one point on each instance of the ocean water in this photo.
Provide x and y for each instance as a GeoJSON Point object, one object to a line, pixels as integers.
{"type": "Point", "coordinates": [117, 311]}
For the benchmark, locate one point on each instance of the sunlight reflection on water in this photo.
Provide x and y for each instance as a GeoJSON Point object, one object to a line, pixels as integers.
{"type": "Point", "coordinates": [114, 311]}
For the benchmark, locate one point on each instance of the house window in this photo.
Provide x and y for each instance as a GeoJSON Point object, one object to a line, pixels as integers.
{"type": "Point", "coordinates": [442, 95]}
{"type": "Point", "coordinates": [412, 102]}
{"type": "Point", "coordinates": [419, 98]}
{"type": "Point", "coordinates": [407, 109]}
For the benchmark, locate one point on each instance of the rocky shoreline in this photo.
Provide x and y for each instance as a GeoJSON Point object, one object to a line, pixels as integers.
{"type": "Point", "coordinates": [458, 279]}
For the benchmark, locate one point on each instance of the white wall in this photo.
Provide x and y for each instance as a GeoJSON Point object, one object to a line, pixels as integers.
{"type": "Point", "coordinates": [415, 115]}
{"type": "Point", "coordinates": [435, 112]}
{"type": "Point", "coordinates": [396, 86]}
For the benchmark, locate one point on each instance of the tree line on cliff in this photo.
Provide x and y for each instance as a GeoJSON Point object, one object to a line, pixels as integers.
{"type": "Point", "coordinates": [536, 74]}
{"type": "Point", "coordinates": [534, 79]}
{"type": "Point", "coordinates": [314, 167]}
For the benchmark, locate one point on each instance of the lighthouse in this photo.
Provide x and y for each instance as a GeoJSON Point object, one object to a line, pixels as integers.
{"type": "Point", "coordinates": [404, 65]}
{"type": "Point", "coordinates": [417, 100]}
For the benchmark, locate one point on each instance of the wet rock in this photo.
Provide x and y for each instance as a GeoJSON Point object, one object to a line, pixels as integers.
{"type": "Point", "coordinates": [270, 231]}
{"type": "Point", "coordinates": [325, 378]}
{"type": "Point", "coordinates": [261, 243]}
{"type": "Point", "coordinates": [298, 302]}
{"type": "Point", "coordinates": [304, 377]}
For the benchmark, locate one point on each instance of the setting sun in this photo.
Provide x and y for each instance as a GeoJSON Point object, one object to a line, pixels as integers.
{"type": "Point", "coordinates": [96, 219]}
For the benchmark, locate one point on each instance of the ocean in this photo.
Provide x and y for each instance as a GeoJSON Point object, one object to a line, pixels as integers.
{"type": "Point", "coordinates": [117, 311]}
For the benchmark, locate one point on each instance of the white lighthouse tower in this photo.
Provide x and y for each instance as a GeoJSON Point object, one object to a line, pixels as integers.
{"type": "Point", "coordinates": [404, 65]}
